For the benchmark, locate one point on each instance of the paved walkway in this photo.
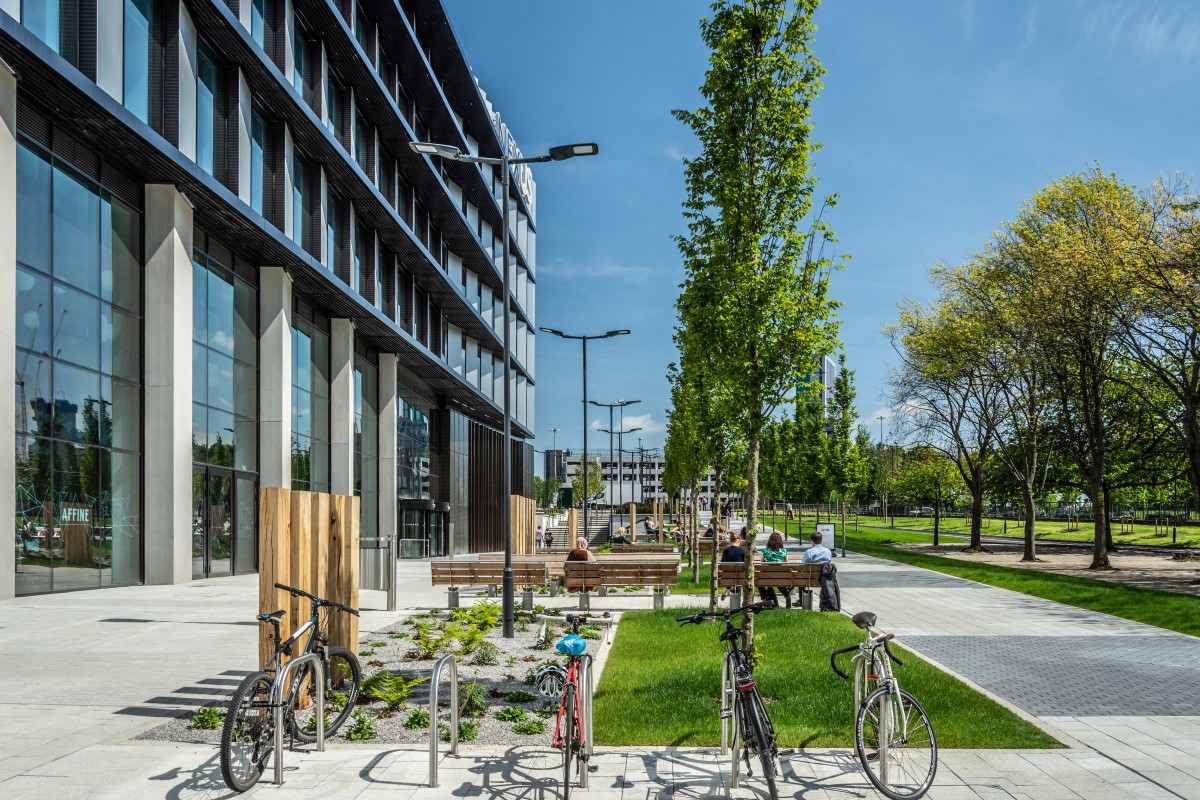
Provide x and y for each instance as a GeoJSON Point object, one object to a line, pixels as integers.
{"type": "Point", "coordinates": [89, 671]}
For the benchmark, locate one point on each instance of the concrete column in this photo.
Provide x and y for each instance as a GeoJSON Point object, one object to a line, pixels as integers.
{"type": "Point", "coordinates": [8, 325]}
{"type": "Point", "coordinates": [168, 390]}
{"type": "Point", "coordinates": [275, 378]}
{"type": "Point", "coordinates": [387, 460]}
{"type": "Point", "coordinates": [341, 407]}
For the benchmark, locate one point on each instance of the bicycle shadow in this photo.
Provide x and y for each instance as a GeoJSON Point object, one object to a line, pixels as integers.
{"type": "Point", "coordinates": [202, 782]}
{"type": "Point", "coordinates": [522, 773]}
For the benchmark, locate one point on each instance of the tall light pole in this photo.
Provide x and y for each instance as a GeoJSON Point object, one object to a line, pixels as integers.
{"type": "Point", "coordinates": [610, 406]}
{"type": "Point", "coordinates": [584, 339]}
{"type": "Point", "coordinates": [452, 153]}
{"type": "Point", "coordinates": [885, 490]}
{"type": "Point", "coordinates": [621, 454]}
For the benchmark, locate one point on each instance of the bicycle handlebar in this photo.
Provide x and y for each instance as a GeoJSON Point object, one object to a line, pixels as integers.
{"type": "Point", "coordinates": [319, 601]}
{"type": "Point", "coordinates": [700, 616]}
{"type": "Point", "coordinates": [833, 660]}
{"type": "Point", "coordinates": [889, 652]}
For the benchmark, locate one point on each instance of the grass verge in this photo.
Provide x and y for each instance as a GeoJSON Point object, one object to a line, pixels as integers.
{"type": "Point", "coordinates": [661, 683]}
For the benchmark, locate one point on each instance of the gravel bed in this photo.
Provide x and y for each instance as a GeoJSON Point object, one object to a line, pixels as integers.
{"type": "Point", "coordinates": [392, 649]}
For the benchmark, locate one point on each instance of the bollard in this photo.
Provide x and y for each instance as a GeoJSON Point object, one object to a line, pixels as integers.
{"type": "Point", "coordinates": [553, 587]}
{"type": "Point", "coordinates": [735, 599]}
{"type": "Point", "coordinates": [604, 591]}
{"type": "Point", "coordinates": [452, 597]}
{"type": "Point", "coordinates": [658, 599]}
{"type": "Point", "coordinates": [585, 601]}
{"type": "Point", "coordinates": [491, 591]}
{"type": "Point", "coordinates": [527, 599]}
{"type": "Point", "coordinates": [806, 599]}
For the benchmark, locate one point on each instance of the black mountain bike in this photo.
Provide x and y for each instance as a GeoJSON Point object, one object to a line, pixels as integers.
{"type": "Point", "coordinates": [750, 718]}
{"type": "Point", "coordinates": [248, 737]}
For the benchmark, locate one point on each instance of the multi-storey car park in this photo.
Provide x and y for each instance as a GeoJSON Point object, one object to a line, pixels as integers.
{"type": "Point", "coordinates": [222, 268]}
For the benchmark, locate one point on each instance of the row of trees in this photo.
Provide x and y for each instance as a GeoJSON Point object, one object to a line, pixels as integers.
{"type": "Point", "coordinates": [754, 308]}
{"type": "Point", "coordinates": [1066, 353]}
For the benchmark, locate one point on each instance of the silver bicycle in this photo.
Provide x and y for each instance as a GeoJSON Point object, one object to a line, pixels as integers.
{"type": "Point", "coordinates": [893, 737]}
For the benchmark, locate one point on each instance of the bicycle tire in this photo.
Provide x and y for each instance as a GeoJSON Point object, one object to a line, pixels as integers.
{"type": "Point", "coordinates": [907, 770]}
{"type": "Point", "coordinates": [247, 735]}
{"type": "Point", "coordinates": [343, 676]}
{"type": "Point", "coordinates": [568, 738]}
{"type": "Point", "coordinates": [760, 723]}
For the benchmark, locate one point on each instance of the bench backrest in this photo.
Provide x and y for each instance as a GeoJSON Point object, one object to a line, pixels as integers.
{"type": "Point", "coordinates": [485, 573]}
{"type": "Point", "coordinates": [581, 574]}
{"type": "Point", "coordinates": [779, 576]}
{"type": "Point", "coordinates": [643, 548]}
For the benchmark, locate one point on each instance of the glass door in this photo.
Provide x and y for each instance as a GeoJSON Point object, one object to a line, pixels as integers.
{"type": "Point", "coordinates": [213, 522]}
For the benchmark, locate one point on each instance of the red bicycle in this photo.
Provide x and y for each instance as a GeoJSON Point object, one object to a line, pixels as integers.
{"type": "Point", "coordinates": [554, 679]}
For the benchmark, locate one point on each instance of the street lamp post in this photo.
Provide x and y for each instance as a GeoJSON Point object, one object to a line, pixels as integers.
{"type": "Point", "coordinates": [557, 457]}
{"type": "Point", "coordinates": [452, 153]}
{"type": "Point", "coordinates": [621, 454]}
{"type": "Point", "coordinates": [584, 339]}
{"type": "Point", "coordinates": [610, 406]}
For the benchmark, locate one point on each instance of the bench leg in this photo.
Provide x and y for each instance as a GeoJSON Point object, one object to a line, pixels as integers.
{"type": "Point", "coordinates": [554, 587]}
{"type": "Point", "coordinates": [735, 598]}
{"type": "Point", "coordinates": [452, 597]}
{"type": "Point", "coordinates": [806, 599]}
{"type": "Point", "coordinates": [491, 591]}
{"type": "Point", "coordinates": [585, 601]}
{"type": "Point", "coordinates": [604, 591]}
{"type": "Point", "coordinates": [659, 595]}
{"type": "Point", "coordinates": [527, 598]}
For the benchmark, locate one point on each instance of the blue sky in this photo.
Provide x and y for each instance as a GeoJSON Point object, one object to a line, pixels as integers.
{"type": "Point", "coordinates": [939, 119]}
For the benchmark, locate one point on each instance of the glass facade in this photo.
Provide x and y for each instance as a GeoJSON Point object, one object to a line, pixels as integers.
{"type": "Point", "coordinates": [310, 402]}
{"type": "Point", "coordinates": [258, 160]}
{"type": "Point", "coordinates": [412, 452]}
{"type": "Point", "coordinates": [78, 392]}
{"type": "Point", "coordinates": [206, 97]}
{"type": "Point", "coordinates": [366, 443]}
{"type": "Point", "coordinates": [137, 58]}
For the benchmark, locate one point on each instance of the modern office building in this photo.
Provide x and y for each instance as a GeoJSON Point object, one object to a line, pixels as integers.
{"type": "Point", "coordinates": [556, 464]}
{"type": "Point", "coordinates": [640, 476]}
{"type": "Point", "coordinates": [222, 268]}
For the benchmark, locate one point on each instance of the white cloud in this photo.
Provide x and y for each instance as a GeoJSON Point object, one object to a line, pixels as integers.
{"type": "Point", "coordinates": [1031, 24]}
{"type": "Point", "coordinates": [674, 152]}
{"type": "Point", "coordinates": [602, 269]}
{"type": "Point", "coordinates": [1143, 29]}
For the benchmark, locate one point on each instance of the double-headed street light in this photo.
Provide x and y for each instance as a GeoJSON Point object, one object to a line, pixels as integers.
{"type": "Point", "coordinates": [610, 406]}
{"type": "Point", "coordinates": [452, 153]}
{"type": "Point", "coordinates": [584, 339]}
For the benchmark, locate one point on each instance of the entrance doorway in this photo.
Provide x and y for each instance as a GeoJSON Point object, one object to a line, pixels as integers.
{"type": "Point", "coordinates": [423, 529]}
{"type": "Point", "coordinates": [224, 522]}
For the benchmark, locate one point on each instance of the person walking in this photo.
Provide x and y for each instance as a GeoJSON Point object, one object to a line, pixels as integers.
{"type": "Point", "coordinates": [537, 538]}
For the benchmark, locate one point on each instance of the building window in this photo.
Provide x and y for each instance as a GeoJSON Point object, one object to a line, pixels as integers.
{"type": "Point", "coordinates": [331, 226]}
{"type": "Point", "coordinates": [258, 19]}
{"type": "Point", "coordinates": [299, 56]}
{"type": "Point", "coordinates": [137, 58]}
{"type": "Point", "coordinates": [362, 137]}
{"type": "Point", "coordinates": [412, 452]}
{"type": "Point", "coordinates": [310, 402]}
{"type": "Point", "coordinates": [298, 187]}
{"type": "Point", "coordinates": [224, 367]}
{"type": "Point", "coordinates": [258, 159]}
{"type": "Point", "coordinates": [358, 278]}
{"type": "Point", "coordinates": [78, 381]}
{"type": "Point", "coordinates": [206, 99]}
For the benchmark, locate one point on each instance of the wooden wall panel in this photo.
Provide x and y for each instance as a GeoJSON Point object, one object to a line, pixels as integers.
{"type": "Point", "coordinates": [274, 563]}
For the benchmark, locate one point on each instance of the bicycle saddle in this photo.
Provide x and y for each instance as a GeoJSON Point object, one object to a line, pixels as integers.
{"type": "Point", "coordinates": [274, 614]}
{"type": "Point", "coordinates": [571, 645]}
{"type": "Point", "coordinates": [864, 619]}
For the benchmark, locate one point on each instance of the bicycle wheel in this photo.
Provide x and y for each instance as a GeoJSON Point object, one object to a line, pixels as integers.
{"type": "Point", "coordinates": [895, 743]}
{"type": "Point", "coordinates": [760, 732]}
{"type": "Point", "coordinates": [569, 740]}
{"type": "Point", "coordinates": [343, 677]}
{"type": "Point", "coordinates": [247, 737]}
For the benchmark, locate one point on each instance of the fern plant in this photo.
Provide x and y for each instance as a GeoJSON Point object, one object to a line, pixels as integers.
{"type": "Point", "coordinates": [392, 689]}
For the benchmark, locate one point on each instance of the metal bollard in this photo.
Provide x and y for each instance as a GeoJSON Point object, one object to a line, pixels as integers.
{"type": "Point", "coordinates": [735, 598]}
{"type": "Point", "coordinates": [585, 601]}
{"type": "Point", "coordinates": [806, 599]}
{"type": "Point", "coordinates": [452, 597]}
{"type": "Point", "coordinates": [433, 704]}
{"type": "Point", "coordinates": [279, 688]}
{"type": "Point", "coordinates": [491, 591]}
{"type": "Point", "coordinates": [553, 588]}
{"type": "Point", "coordinates": [527, 599]}
{"type": "Point", "coordinates": [604, 591]}
{"type": "Point", "coordinates": [659, 597]}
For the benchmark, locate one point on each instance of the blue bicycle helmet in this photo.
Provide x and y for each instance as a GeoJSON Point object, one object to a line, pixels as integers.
{"type": "Point", "coordinates": [571, 645]}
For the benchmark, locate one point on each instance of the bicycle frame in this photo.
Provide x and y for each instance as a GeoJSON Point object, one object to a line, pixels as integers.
{"type": "Point", "coordinates": [572, 680]}
{"type": "Point", "coordinates": [865, 660]}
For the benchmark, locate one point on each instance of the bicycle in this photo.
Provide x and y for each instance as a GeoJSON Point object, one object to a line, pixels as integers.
{"type": "Point", "coordinates": [893, 737]}
{"type": "Point", "coordinates": [554, 679]}
{"type": "Point", "coordinates": [247, 737]}
{"type": "Point", "coordinates": [751, 721]}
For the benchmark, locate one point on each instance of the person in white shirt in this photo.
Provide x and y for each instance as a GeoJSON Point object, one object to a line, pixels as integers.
{"type": "Point", "coordinates": [818, 553]}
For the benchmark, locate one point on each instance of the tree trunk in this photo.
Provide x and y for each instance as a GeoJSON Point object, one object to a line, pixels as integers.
{"type": "Point", "coordinates": [712, 580]}
{"type": "Point", "coordinates": [694, 537]}
{"type": "Point", "coordinates": [1100, 539]}
{"type": "Point", "coordinates": [977, 518]}
{"type": "Point", "coordinates": [1030, 553]}
{"type": "Point", "coordinates": [751, 531]}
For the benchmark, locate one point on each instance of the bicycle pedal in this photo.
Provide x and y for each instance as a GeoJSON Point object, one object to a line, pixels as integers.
{"type": "Point", "coordinates": [593, 767]}
{"type": "Point", "coordinates": [727, 714]}
{"type": "Point", "coordinates": [787, 751]}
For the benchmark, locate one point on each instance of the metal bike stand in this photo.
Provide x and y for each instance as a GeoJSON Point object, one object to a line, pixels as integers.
{"type": "Point", "coordinates": [433, 706]}
{"type": "Point", "coordinates": [585, 713]}
{"type": "Point", "coordinates": [729, 730]}
{"type": "Point", "coordinates": [277, 691]}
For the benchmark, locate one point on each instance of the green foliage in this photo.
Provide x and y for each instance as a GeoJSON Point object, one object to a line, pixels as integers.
{"type": "Point", "coordinates": [546, 710]}
{"type": "Point", "coordinates": [392, 689]}
{"type": "Point", "coordinates": [511, 714]}
{"type": "Point", "coordinates": [530, 727]}
{"type": "Point", "coordinates": [467, 730]}
{"type": "Point", "coordinates": [419, 718]}
{"type": "Point", "coordinates": [594, 478]}
{"type": "Point", "coordinates": [427, 640]}
{"type": "Point", "coordinates": [473, 700]}
{"type": "Point", "coordinates": [519, 696]}
{"type": "Point", "coordinates": [208, 718]}
{"type": "Point", "coordinates": [486, 653]}
{"type": "Point", "coordinates": [544, 641]}
{"type": "Point", "coordinates": [590, 632]}
{"type": "Point", "coordinates": [362, 726]}
{"type": "Point", "coordinates": [511, 661]}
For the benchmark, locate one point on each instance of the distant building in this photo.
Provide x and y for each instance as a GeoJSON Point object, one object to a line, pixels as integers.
{"type": "Point", "coordinates": [556, 464]}
{"type": "Point", "coordinates": [641, 477]}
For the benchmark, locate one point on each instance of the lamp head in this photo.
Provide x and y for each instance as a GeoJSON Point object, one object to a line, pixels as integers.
{"type": "Point", "coordinates": [565, 151]}
{"type": "Point", "coordinates": [629, 402]}
{"type": "Point", "coordinates": [620, 332]}
{"type": "Point", "coordinates": [552, 330]}
{"type": "Point", "coordinates": [631, 430]}
{"type": "Point", "coordinates": [431, 149]}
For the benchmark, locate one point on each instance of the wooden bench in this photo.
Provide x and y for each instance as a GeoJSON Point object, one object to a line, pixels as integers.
{"type": "Point", "coordinates": [487, 573]}
{"type": "Point", "coordinates": [791, 575]}
{"type": "Point", "coordinates": [583, 576]}
{"type": "Point", "coordinates": [706, 547]}
{"type": "Point", "coordinates": [643, 548]}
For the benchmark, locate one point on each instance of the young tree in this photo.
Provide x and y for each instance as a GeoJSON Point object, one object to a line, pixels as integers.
{"type": "Point", "coordinates": [844, 457]}
{"type": "Point", "coordinates": [594, 478]}
{"type": "Point", "coordinates": [755, 305]}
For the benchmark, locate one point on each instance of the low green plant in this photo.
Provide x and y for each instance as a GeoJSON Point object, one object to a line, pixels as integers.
{"type": "Point", "coordinates": [366, 651]}
{"type": "Point", "coordinates": [427, 640]}
{"type": "Point", "coordinates": [336, 702]}
{"type": "Point", "coordinates": [467, 731]}
{"type": "Point", "coordinates": [362, 726]}
{"type": "Point", "coordinates": [473, 699]}
{"type": "Point", "coordinates": [419, 718]}
{"type": "Point", "coordinates": [511, 714]}
{"type": "Point", "coordinates": [511, 662]}
{"type": "Point", "coordinates": [397, 635]}
{"type": "Point", "coordinates": [544, 641]}
{"type": "Point", "coordinates": [519, 696]}
{"type": "Point", "coordinates": [590, 632]}
{"type": "Point", "coordinates": [530, 727]}
{"type": "Point", "coordinates": [486, 654]}
{"type": "Point", "coordinates": [392, 689]}
{"type": "Point", "coordinates": [377, 644]}
{"type": "Point", "coordinates": [208, 718]}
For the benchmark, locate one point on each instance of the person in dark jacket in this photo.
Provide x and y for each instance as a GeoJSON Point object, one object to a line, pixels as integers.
{"type": "Point", "coordinates": [733, 554]}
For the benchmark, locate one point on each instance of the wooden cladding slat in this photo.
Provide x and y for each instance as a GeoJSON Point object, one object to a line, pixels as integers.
{"type": "Point", "coordinates": [524, 519]}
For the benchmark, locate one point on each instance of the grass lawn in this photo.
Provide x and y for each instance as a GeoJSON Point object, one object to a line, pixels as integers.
{"type": "Point", "coordinates": [661, 685]}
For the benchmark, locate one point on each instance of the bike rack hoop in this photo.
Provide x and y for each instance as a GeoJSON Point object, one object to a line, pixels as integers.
{"type": "Point", "coordinates": [279, 688]}
{"type": "Point", "coordinates": [434, 681]}
{"type": "Point", "coordinates": [586, 692]}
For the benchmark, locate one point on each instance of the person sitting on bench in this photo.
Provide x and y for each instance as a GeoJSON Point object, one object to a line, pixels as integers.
{"type": "Point", "coordinates": [581, 553]}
